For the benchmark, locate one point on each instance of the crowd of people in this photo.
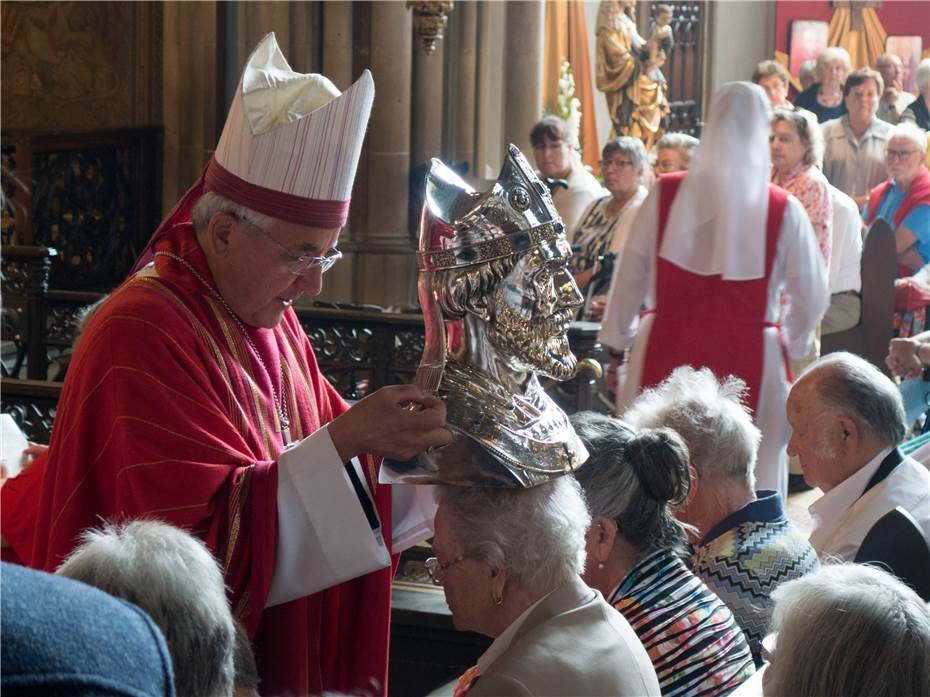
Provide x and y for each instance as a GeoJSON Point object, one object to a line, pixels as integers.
{"type": "Point", "coordinates": [249, 544]}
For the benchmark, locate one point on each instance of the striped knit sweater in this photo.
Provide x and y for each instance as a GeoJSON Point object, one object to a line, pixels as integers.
{"type": "Point", "coordinates": [746, 555]}
{"type": "Point", "coordinates": [695, 644]}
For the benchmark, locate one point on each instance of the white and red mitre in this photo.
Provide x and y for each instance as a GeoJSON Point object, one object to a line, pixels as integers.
{"type": "Point", "coordinates": [291, 142]}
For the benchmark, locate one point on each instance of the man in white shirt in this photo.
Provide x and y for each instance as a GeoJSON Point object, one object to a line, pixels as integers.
{"type": "Point", "coordinates": [848, 419]}
{"type": "Point", "coordinates": [845, 276]}
{"type": "Point", "coordinates": [894, 99]}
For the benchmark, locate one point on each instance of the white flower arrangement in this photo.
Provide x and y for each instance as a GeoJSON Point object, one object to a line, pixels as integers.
{"type": "Point", "coordinates": [569, 104]}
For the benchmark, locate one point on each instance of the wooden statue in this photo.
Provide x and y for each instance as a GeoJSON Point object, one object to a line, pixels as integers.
{"type": "Point", "coordinates": [629, 70]}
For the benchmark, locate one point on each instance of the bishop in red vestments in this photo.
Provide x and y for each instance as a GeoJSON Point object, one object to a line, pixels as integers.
{"type": "Point", "coordinates": [194, 395]}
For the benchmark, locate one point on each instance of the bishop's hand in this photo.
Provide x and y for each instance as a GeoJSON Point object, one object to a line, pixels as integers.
{"type": "Point", "coordinates": [382, 424]}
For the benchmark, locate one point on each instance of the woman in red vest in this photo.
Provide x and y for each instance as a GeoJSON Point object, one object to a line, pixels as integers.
{"type": "Point", "coordinates": [904, 198]}
{"type": "Point", "coordinates": [728, 269]}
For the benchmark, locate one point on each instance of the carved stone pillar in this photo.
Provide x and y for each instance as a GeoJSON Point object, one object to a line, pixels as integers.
{"type": "Point", "coordinates": [191, 87]}
{"type": "Point", "coordinates": [426, 118]}
{"type": "Point", "coordinates": [387, 268]}
{"type": "Point", "coordinates": [464, 21]}
{"type": "Point", "coordinates": [337, 43]}
{"type": "Point", "coordinates": [337, 56]}
{"type": "Point", "coordinates": [523, 70]}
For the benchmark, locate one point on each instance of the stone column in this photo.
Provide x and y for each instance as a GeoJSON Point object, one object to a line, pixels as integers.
{"type": "Point", "coordinates": [523, 70]}
{"type": "Point", "coordinates": [387, 267]}
{"type": "Point", "coordinates": [337, 42]}
{"type": "Point", "coordinates": [490, 95]}
{"type": "Point", "coordinates": [464, 21]}
{"type": "Point", "coordinates": [191, 89]}
{"type": "Point", "coordinates": [255, 19]}
{"type": "Point", "coordinates": [426, 118]}
{"type": "Point", "coordinates": [337, 38]}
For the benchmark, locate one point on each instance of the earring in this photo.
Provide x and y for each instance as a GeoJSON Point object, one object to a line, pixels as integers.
{"type": "Point", "coordinates": [600, 566]}
{"type": "Point", "coordinates": [498, 599]}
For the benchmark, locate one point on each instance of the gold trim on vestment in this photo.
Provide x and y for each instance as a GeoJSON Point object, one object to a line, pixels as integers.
{"type": "Point", "coordinates": [310, 393]}
{"type": "Point", "coordinates": [236, 350]}
{"type": "Point", "coordinates": [235, 411]}
{"type": "Point", "coordinates": [237, 497]}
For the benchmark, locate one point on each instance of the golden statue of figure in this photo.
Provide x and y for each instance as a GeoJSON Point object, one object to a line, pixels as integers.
{"type": "Point", "coordinates": [629, 73]}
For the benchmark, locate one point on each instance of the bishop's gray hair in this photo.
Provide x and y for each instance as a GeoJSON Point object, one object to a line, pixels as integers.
{"type": "Point", "coordinates": [173, 577]}
{"type": "Point", "coordinates": [536, 534]}
{"type": "Point", "coordinates": [852, 386]}
{"type": "Point", "coordinates": [709, 415]}
{"type": "Point", "coordinates": [212, 203]}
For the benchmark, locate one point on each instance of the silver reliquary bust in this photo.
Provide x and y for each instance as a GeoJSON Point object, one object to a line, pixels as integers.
{"type": "Point", "coordinates": [497, 300]}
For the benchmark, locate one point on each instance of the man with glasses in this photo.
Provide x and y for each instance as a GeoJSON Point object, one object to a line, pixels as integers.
{"type": "Point", "coordinates": [904, 198]}
{"type": "Point", "coordinates": [194, 395]}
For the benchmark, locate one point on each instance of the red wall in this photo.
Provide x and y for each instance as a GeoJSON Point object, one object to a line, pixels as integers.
{"type": "Point", "coordinates": [898, 17]}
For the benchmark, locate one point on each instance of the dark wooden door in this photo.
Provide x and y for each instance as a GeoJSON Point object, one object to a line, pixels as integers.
{"type": "Point", "coordinates": [684, 68]}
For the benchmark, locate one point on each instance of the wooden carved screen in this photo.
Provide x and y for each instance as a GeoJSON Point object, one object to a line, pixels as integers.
{"type": "Point", "coordinates": [684, 68]}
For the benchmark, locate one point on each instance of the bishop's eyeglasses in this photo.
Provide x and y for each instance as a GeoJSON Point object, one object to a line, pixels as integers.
{"type": "Point", "coordinates": [300, 264]}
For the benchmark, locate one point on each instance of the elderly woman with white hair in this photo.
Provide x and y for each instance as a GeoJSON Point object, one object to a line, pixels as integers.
{"type": "Point", "coordinates": [848, 630]}
{"type": "Point", "coordinates": [825, 97]}
{"type": "Point", "coordinates": [744, 544]}
{"type": "Point", "coordinates": [673, 152]}
{"type": "Point", "coordinates": [509, 561]}
{"type": "Point", "coordinates": [173, 577]}
{"type": "Point", "coordinates": [711, 254]}
{"type": "Point", "coordinates": [796, 145]}
{"type": "Point", "coordinates": [635, 549]}
{"type": "Point", "coordinates": [918, 111]}
{"type": "Point", "coordinates": [904, 198]}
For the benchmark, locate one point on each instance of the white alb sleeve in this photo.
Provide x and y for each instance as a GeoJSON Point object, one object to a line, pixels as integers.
{"type": "Point", "coordinates": [328, 526]}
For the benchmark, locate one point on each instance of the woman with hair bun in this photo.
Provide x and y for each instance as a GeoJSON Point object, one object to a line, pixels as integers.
{"type": "Point", "coordinates": [635, 549]}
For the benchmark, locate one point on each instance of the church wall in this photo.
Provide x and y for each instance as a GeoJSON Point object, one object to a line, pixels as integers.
{"type": "Point", "coordinates": [898, 17]}
{"type": "Point", "coordinates": [741, 33]}
{"type": "Point", "coordinates": [80, 65]}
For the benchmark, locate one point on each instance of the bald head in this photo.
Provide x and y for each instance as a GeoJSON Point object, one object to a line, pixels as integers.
{"type": "Point", "coordinates": [850, 384]}
{"type": "Point", "coordinates": [843, 411]}
{"type": "Point", "coordinates": [891, 68]}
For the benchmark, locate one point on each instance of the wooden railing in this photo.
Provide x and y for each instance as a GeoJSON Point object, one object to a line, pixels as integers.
{"type": "Point", "coordinates": [357, 350]}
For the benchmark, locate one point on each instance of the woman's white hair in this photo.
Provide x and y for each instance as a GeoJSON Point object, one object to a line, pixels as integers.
{"type": "Point", "coordinates": [174, 578]}
{"type": "Point", "coordinates": [850, 630]}
{"type": "Point", "coordinates": [710, 416]}
{"type": "Point", "coordinates": [682, 143]}
{"type": "Point", "coordinates": [212, 203]}
{"type": "Point", "coordinates": [537, 535]}
{"type": "Point", "coordinates": [913, 133]}
{"type": "Point", "coordinates": [922, 76]}
{"type": "Point", "coordinates": [829, 55]}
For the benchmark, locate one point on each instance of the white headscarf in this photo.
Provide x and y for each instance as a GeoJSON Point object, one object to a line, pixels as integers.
{"type": "Point", "coordinates": [718, 219]}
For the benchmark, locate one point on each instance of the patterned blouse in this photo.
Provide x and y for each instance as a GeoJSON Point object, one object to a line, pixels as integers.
{"type": "Point", "coordinates": [595, 230]}
{"type": "Point", "coordinates": [692, 638]}
{"type": "Point", "coordinates": [810, 187]}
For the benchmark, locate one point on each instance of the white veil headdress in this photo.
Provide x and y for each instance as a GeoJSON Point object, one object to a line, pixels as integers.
{"type": "Point", "coordinates": [718, 218]}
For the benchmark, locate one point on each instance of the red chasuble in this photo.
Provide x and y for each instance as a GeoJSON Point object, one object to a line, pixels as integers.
{"type": "Point", "coordinates": [166, 413]}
